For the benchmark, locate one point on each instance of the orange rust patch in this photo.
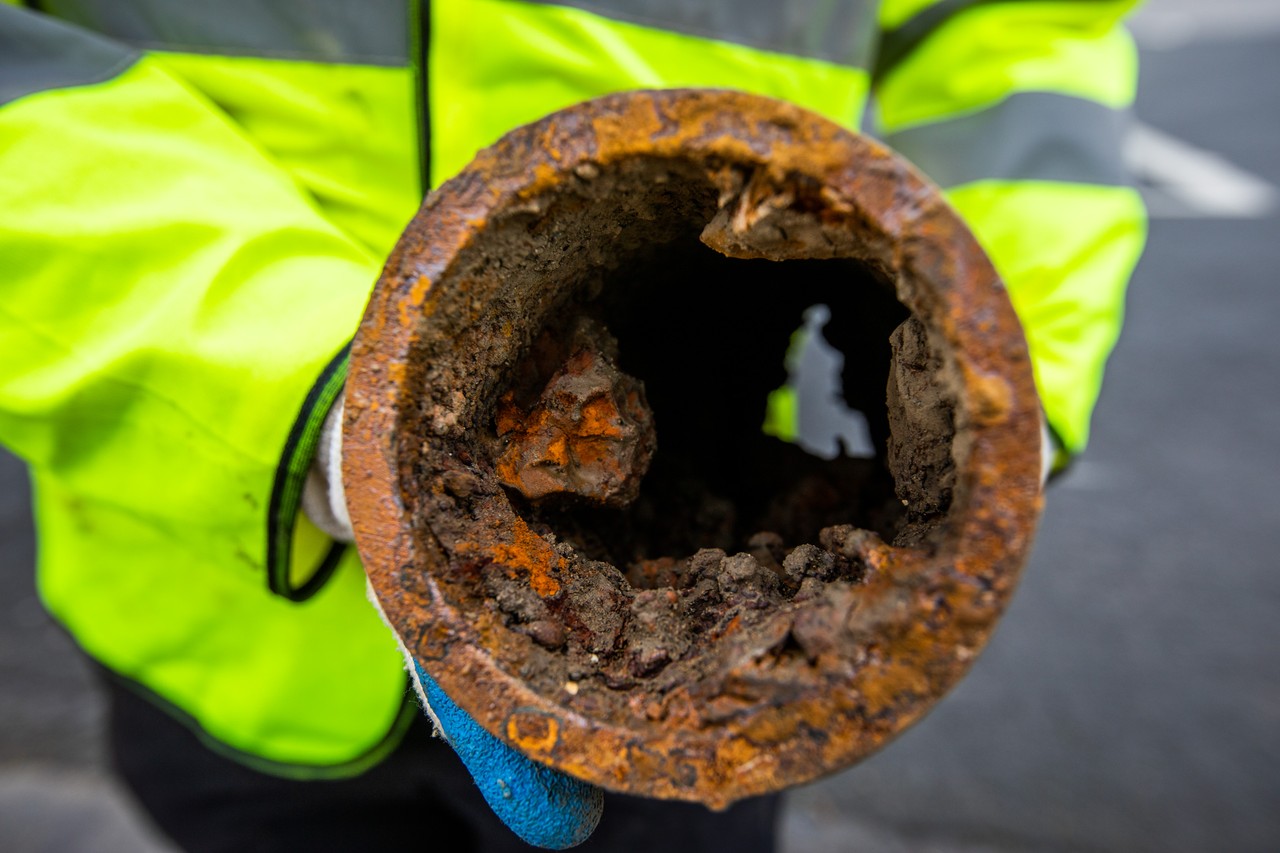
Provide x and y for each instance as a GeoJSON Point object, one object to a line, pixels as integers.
{"type": "Point", "coordinates": [601, 417]}
{"type": "Point", "coordinates": [894, 682]}
{"type": "Point", "coordinates": [992, 398]}
{"type": "Point", "coordinates": [530, 552]}
{"type": "Point", "coordinates": [533, 732]}
{"type": "Point", "coordinates": [417, 295]}
{"type": "Point", "coordinates": [617, 131]}
{"type": "Point", "coordinates": [589, 434]}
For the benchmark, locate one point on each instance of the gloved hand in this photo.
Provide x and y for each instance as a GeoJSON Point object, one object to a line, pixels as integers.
{"type": "Point", "coordinates": [543, 806]}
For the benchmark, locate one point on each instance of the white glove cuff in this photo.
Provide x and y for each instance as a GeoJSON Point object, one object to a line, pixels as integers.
{"type": "Point", "coordinates": [323, 498]}
{"type": "Point", "coordinates": [1048, 451]}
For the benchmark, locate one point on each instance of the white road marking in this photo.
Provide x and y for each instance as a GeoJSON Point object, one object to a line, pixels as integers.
{"type": "Point", "coordinates": [1171, 24]}
{"type": "Point", "coordinates": [1192, 183]}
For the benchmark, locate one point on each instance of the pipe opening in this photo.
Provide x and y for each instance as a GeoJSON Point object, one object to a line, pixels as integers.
{"type": "Point", "coordinates": [562, 338]}
{"type": "Point", "coordinates": [708, 337]}
{"type": "Point", "coordinates": [597, 475]}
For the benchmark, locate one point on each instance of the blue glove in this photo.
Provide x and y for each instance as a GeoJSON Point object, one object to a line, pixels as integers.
{"type": "Point", "coordinates": [544, 807]}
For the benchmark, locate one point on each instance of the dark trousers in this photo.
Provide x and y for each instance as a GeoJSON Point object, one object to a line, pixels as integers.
{"type": "Point", "coordinates": [419, 799]}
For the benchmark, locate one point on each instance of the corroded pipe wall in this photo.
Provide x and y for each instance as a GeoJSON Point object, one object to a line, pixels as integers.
{"type": "Point", "coordinates": [602, 614]}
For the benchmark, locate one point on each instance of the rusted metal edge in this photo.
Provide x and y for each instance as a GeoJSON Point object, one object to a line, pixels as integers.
{"type": "Point", "coordinates": [924, 612]}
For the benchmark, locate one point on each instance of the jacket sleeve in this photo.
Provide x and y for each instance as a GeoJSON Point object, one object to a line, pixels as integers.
{"type": "Point", "coordinates": [1017, 111]}
{"type": "Point", "coordinates": [168, 298]}
{"type": "Point", "coordinates": [169, 295]}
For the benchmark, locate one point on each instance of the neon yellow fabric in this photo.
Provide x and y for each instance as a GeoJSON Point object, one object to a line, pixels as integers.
{"type": "Point", "coordinates": [185, 246]}
{"type": "Point", "coordinates": [496, 64]}
{"type": "Point", "coordinates": [987, 53]}
{"type": "Point", "coordinates": [169, 296]}
{"type": "Point", "coordinates": [782, 414]}
{"type": "Point", "coordinates": [346, 134]}
{"type": "Point", "coordinates": [1065, 252]}
{"type": "Point", "coordinates": [894, 13]}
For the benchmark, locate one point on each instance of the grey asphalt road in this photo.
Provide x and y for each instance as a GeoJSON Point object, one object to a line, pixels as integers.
{"type": "Point", "coordinates": [1130, 701]}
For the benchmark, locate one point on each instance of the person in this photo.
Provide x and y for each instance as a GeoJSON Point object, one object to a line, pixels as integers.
{"type": "Point", "coordinates": [195, 200]}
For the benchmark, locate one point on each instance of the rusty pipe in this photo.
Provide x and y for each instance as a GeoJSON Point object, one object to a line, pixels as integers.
{"type": "Point", "coordinates": [558, 483]}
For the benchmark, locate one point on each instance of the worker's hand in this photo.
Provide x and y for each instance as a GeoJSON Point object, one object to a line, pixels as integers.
{"type": "Point", "coordinates": [543, 806]}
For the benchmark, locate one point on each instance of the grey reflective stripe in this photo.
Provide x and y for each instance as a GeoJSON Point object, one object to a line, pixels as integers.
{"type": "Point", "coordinates": [898, 43]}
{"type": "Point", "coordinates": [359, 32]}
{"type": "Point", "coordinates": [38, 53]}
{"type": "Point", "coordinates": [838, 31]}
{"type": "Point", "coordinates": [1030, 136]}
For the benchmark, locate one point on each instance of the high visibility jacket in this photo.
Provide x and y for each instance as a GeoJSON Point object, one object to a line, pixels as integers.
{"type": "Point", "coordinates": [196, 197]}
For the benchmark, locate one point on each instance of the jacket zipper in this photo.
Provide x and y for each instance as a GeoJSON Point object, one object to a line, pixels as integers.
{"type": "Point", "coordinates": [421, 30]}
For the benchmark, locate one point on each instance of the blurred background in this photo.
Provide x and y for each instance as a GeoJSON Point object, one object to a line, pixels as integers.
{"type": "Point", "coordinates": [1130, 700]}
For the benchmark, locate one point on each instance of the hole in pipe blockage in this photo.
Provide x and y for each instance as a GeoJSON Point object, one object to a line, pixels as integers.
{"type": "Point", "coordinates": [709, 336]}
